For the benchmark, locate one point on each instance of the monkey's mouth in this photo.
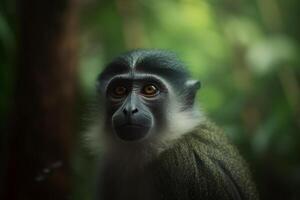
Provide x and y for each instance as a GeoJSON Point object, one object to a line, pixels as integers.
{"type": "Point", "coordinates": [131, 125]}
{"type": "Point", "coordinates": [131, 132]}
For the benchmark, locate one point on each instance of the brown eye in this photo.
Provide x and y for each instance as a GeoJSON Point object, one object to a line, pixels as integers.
{"type": "Point", "coordinates": [119, 92]}
{"type": "Point", "coordinates": [150, 91]}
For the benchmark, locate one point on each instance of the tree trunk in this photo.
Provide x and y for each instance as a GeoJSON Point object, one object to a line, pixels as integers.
{"type": "Point", "coordinates": [42, 125]}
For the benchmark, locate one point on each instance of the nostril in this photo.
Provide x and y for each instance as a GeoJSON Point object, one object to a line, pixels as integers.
{"type": "Point", "coordinates": [134, 111]}
{"type": "Point", "coordinates": [130, 111]}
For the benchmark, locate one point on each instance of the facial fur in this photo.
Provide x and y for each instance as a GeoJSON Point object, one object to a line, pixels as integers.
{"type": "Point", "coordinates": [165, 117]}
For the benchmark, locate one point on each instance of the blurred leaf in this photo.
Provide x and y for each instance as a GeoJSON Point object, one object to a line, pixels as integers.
{"type": "Point", "coordinates": [267, 54]}
{"type": "Point", "coordinates": [211, 97]}
{"type": "Point", "coordinates": [90, 68]}
{"type": "Point", "coordinates": [242, 30]}
{"type": "Point", "coordinates": [6, 34]}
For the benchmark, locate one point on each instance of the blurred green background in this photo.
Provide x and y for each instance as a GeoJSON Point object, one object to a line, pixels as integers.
{"type": "Point", "coordinates": [245, 53]}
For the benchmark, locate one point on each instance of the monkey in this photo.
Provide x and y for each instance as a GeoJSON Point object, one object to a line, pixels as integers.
{"type": "Point", "coordinates": [155, 141]}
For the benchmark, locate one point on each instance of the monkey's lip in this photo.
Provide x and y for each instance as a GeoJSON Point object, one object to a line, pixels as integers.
{"type": "Point", "coordinates": [132, 132]}
{"type": "Point", "coordinates": [130, 125]}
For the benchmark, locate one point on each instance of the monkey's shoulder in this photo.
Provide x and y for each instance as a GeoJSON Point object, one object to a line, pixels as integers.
{"type": "Point", "coordinates": [203, 164]}
{"type": "Point", "coordinates": [205, 140]}
{"type": "Point", "coordinates": [207, 143]}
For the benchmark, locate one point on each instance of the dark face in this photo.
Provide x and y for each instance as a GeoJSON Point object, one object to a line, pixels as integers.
{"type": "Point", "coordinates": [137, 88]}
{"type": "Point", "coordinates": [135, 105]}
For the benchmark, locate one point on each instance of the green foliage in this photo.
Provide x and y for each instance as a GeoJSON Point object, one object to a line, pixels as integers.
{"type": "Point", "coordinates": [7, 45]}
{"type": "Point", "coordinates": [244, 52]}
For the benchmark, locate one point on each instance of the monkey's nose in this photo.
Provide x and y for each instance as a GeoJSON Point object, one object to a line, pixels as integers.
{"type": "Point", "coordinates": [130, 111]}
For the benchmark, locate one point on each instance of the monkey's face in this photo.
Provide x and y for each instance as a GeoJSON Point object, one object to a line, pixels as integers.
{"type": "Point", "coordinates": [140, 90]}
{"type": "Point", "coordinates": [135, 106]}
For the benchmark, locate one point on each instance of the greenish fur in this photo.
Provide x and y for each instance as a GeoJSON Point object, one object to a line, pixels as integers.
{"type": "Point", "coordinates": [202, 165]}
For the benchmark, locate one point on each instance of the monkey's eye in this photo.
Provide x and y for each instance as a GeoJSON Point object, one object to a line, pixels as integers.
{"type": "Point", "coordinates": [150, 90]}
{"type": "Point", "coordinates": [119, 92]}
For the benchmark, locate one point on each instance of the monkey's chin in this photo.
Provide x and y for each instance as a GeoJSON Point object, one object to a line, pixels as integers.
{"type": "Point", "coordinates": [132, 132]}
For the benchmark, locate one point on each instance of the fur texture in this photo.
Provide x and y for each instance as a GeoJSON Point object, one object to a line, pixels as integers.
{"type": "Point", "coordinates": [188, 158]}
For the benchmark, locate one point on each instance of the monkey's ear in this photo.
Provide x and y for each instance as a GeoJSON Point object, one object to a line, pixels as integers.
{"type": "Point", "coordinates": [192, 86]}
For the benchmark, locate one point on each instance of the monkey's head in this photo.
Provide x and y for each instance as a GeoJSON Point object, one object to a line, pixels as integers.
{"type": "Point", "coordinates": [146, 94]}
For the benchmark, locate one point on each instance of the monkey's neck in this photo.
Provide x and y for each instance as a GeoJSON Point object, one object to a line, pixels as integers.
{"type": "Point", "coordinates": [137, 155]}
